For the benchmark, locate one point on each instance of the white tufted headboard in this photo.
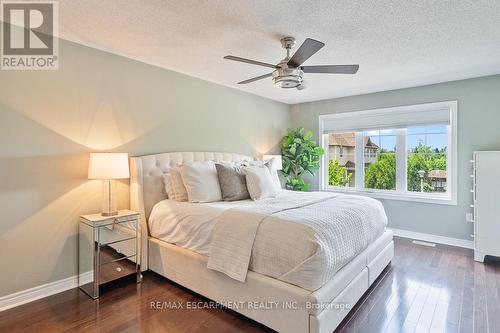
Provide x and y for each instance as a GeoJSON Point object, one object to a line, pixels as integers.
{"type": "Point", "coordinates": [146, 181]}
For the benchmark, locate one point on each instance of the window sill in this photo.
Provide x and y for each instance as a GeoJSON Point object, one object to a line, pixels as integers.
{"type": "Point", "coordinates": [393, 195]}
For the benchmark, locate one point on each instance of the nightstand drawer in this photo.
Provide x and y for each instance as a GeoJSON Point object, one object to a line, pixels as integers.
{"type": "Point", "coordinates": [115, 233]}
{"type": "Point", "coordinates": [117, 251]}
{"type": "Point", "coordinates": [115, 270]}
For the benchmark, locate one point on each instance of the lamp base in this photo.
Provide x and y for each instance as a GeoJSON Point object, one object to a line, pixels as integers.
{"type": "Point", "coordinates": [109, 207]}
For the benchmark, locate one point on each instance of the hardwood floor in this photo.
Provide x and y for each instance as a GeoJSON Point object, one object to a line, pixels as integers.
{"type": "Point", "coordinates": [424, 290]}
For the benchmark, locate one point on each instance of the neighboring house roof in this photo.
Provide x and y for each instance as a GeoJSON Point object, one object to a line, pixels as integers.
{"type": "Point", "coordinates": [348, 140]}
{"type": "Point", "coordinates": [437, 174]}
{"type": "Point", "coordinates": [350, 165]}
{"type": "Point", "coordinates": [344, 139]}
{"type": "Point", "coordinates": [369, 143]}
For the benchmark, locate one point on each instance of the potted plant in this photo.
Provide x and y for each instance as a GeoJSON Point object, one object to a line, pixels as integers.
{"type": "Point", "coordinates": [301, 155]}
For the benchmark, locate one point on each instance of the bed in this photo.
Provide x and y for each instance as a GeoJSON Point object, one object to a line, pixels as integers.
{"type": "Point", "coordinates": [314, 298]}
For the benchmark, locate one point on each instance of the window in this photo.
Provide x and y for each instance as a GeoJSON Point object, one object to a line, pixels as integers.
{"type": "Point", "coordinates": [403, 153]}
{"type": "Point", "coordinates": [427, 156]}
{"type": "Point", "coordinates": [341, 165]}
{"type": "Point", "coordinates": [380, 168]}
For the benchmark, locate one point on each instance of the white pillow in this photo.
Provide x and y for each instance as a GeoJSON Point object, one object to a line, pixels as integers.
{"type": "Point", "coordinates": [201, 181]}
{"type": "Point", "coordinates": [273, 170]}
{"type": "Point", "coordinates": [174, 186]}
{"type": "Point", "coordinates": [259, 182]}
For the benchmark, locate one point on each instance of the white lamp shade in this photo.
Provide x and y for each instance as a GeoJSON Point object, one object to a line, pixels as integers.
{"type": "Point", "coordinates": [108, 166]}
{"type": "Point", "coordinates": [277, 163]}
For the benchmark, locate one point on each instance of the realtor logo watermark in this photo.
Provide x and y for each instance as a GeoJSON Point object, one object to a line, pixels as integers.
{"type": "Point", "coordinates": [27, 35]}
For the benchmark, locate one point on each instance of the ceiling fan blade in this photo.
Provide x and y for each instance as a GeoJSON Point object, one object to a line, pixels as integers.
{"type": "Point", "coordinates": [249, 61]}
{"type": "Point", "coordinates": [331, 69]}
{"type": "Point", "coordinates": [305, 51]}
{"type": "Point", "coordinates": [256, 78]}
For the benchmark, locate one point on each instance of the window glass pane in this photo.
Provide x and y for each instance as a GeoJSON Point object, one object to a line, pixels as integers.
{"type": "Point", "coordinates": [427, 159]}
{"type": "Point", "coordinates": [416, 130]}
{"type": "Point", "coordinates": [341, 159]}
{"type": "Point", "coordinates": [414, 140]}
{"type": "Point", "coordinates": [435, 129]}
{"type": "Point", "coordinates": [437, 142]}
{"type": "Point", "coordinates": [380, 161]}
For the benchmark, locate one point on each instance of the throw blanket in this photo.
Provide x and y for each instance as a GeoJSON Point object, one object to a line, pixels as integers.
{"type": "Point", "coordinates": [339, 226]}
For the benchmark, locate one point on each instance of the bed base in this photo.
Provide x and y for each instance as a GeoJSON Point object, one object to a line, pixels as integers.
{"type": "Point", "coordinates": [297, 309]}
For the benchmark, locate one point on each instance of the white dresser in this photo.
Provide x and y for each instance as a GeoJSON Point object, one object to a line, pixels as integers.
{"type": "Point", "coordinates": [486, 204]}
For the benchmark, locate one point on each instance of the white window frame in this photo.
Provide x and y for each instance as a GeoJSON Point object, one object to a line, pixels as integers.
{"type": "Point", "coordinates": [401, 192]}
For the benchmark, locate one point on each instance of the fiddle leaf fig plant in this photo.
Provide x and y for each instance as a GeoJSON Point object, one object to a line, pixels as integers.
{"type": "Point", "coordinates": [300, 155]}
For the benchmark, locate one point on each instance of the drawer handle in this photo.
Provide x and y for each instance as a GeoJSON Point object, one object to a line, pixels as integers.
{"type": "Point", "coordinates": [118, 269]}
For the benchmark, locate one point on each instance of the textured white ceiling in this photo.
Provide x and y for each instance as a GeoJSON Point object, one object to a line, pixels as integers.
{"type": "Point", "coordinates": [398, 43]}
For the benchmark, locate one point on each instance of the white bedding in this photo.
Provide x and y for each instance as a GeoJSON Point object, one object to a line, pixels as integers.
{"type": "Point", "coordinates": [290, 244]}
{"type": "Point", "coordinates": [186, 224]}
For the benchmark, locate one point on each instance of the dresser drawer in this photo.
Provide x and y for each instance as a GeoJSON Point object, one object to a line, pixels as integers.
{"type": "Point", "coordinates": [117, 251]}
{"type": "Point", "coordinates": [117, 269]}
{"type": "Point", "coordinates": [115, 233]}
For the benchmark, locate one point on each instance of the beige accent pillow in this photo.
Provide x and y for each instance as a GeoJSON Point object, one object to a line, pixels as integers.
{"type": "Point", "coordinates": [259, 182]}
{"type": "Point", "coordinates": [174, 186]}
{"type": "Point", "coordinates": [167, 180]}
{"type": "Point", "coordinates": [201, 181]}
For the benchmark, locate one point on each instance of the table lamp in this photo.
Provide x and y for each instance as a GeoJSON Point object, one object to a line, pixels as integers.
{"type": "Point", "coordinates": [108, 167]}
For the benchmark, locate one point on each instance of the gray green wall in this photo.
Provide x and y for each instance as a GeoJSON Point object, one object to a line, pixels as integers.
{"type": "Point", "coordinates": [478, 129]}
{"type": "Point", "coordinates": [51, 120]}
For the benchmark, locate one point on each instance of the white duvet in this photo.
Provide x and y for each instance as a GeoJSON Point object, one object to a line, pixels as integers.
{"type": "Point", "coordinates": [299, 238]}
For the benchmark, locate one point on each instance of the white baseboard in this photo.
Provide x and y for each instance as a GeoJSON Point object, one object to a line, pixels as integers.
{"type": "Point", "coordinates": [468, 244]}
{"type": "Point", "coordinates": [32, 294]}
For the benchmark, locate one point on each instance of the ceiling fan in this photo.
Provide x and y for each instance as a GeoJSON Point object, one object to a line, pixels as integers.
{"type": "Point", "coordinates": [289, 73]}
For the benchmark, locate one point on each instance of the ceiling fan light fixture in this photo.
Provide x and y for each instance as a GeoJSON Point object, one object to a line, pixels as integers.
{"type": "Point", "coordinates": [289, 72]}
{"type": "Point", "coordinates": [288, 77]}
{"type": "Point", "coordinates": [302, 86]}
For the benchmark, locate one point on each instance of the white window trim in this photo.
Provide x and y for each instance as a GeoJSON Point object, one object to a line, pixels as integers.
{"type": "Point", "coordinates": [401, 192]}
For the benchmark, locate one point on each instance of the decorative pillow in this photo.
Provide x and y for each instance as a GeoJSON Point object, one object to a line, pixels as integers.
{"type": "Point", "coordinates": [174, 185]}
{"type": "Point", "coordinates": [201, 181]}
{"type": "Point", "coordinates": [270, 164]}
{"type": "Point", "coordinates": [232, 182]}
{"type": "Point", "coordinates": [259, 182]}
{"type": "Point", "coordinates": [167, 180]}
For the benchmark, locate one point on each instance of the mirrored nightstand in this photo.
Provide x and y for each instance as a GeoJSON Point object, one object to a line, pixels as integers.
{"type": "Point", "coordinates": [108, 249]}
